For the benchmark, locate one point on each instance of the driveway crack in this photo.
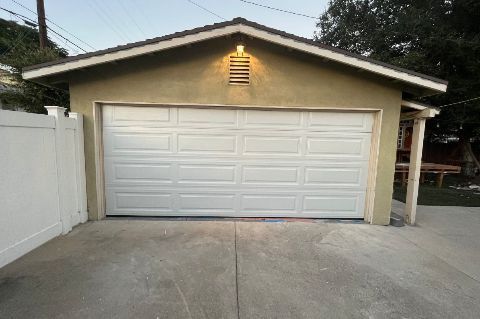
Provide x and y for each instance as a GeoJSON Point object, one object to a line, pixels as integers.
{"type": "Point", "coordinates": [236, 269]}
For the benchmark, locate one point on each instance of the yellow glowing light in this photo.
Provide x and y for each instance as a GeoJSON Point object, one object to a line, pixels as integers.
{"type": "Point", "coordinates": [240, 49]}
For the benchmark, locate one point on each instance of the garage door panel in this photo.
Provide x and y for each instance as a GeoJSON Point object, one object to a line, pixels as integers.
{"type": "Point", "coordinates": [353, 177]}
{"type": "Point", "coordinates": [338, 121]}
{"type": "Point", "coordinates": [189, 116]}
{"type": "Point", "coordinates": [128, 116]}
{"type": "Point", "coordinates": [271, 145]}
{"type": "Point", "coordinates": [117, 143]}
{"type": "Point", "coordinates": [341, 147]}
{"type": "Point", "coordinates": [267, 203]}
{"type": "Point", "coordinates": [268, 119]}
{"type": "Point", "coordinates": [191, 173]}
{"type": "Point", "coordinates": [236, 162]}
{"type": "Point", "coordinates": [175, 201]}
{"type": "Point", "coordinates": [131, 173]}
{"type": "Point", "coordinates": [207, 144]}
{"type": "Point", "coordinates": [345, 205]}
{"type": "Point", "coordinates": [261, 174]}
{"type": "Point", "coordinates": [206, 202]}
{"type": "Point", "coordinates": [133, 201]}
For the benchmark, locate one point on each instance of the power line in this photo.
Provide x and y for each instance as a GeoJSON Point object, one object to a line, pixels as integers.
{"type": "Point", "coordinates": [26, 8]}
{"type": "Point", "coordinates": [460, 102]}
{"type": "Point", "coordinates": [63, 42]}
{"type": "Point", "coordinates": [17, 42]}
{"type": "Point", "coordinates": [146, 18]}
{"type": "Point", "coordinates": [34, 22]}
{"type": "Point", "coordinates": [66, 39]}
{"type": "Point", "coordinates": [277, 9]}
{"type": "Point", "coordinates": [113, 21]}
{"type": "Point", "coordinates": [99, 11]}
{"type": "Point", "coordinates": [205, 9]}
{"type": "Point", "coordinates": [131, 18]}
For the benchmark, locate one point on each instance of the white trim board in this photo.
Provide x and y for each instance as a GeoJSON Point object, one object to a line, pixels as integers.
{"type": "Point", "coordinates": [99, 156]}
{"type": "Point", "coordinates": [229, 30]}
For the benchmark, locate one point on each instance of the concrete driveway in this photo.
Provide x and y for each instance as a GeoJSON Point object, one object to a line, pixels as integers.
{"type": "Point", "coordinates": [224, 269]}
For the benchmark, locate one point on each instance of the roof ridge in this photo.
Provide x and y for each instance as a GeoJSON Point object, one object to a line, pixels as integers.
{"type": "Point", "coordinates": [234, 21]}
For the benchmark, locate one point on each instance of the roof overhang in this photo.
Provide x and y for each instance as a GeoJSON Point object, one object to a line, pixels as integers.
{"type": "Point", "coordinates": [420, 110]}
{"type": "Point", "coordinates": [429, 84]}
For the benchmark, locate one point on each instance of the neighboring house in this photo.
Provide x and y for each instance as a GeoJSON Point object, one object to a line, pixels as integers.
{"type": "Point", "coordinates": [238, 119]}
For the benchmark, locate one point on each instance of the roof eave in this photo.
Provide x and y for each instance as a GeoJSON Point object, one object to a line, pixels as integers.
{"type": "Point", "coordinates": [428, 84]}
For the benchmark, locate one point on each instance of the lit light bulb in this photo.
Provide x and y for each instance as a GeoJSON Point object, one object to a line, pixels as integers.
{"type": "Point", "coordinates": [240, 49]}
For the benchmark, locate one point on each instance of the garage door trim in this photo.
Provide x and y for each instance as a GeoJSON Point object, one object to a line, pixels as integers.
{"type": "Point", "coordinates": [374, 147]}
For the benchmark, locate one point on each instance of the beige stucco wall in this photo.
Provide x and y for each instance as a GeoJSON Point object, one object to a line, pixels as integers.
{"type": "Point", "coordinates": [198, 74]}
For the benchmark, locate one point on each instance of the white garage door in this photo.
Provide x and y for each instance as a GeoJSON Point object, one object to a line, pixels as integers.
{"type": "Point", "coordinates": [179, 161]}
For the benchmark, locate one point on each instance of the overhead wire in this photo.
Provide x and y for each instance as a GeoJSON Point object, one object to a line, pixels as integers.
{"type": "Point", "coordinates": [106, 22]}
{"type": "Point", "coordinates": [17, 42]}
{"type": "Point", "coordinates": [65, 43]}
{"type": "Point", "coordinates": [131, 18]}
{"type": "Point", "coordinates": [34, 22]}
{"type": "Point", "coordinates": [97, 12]}
{"type": "Point", "coordinates": [205, 9]}
{"type": "Point", "coordinates": [277, 9]}
{"type": "Point", "coordinates": [55, 24]}
{"type": "Point", "coordinates": [460, 102]}
{"type": "Point", "coordinates": [145, 17]}
{"type": "Point", "coordinates": [113, 23]}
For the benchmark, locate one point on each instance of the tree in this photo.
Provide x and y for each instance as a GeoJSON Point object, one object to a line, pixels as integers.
{"type": "Point", "coordinates": [435, 37]}
{"type": "Point", "coordinates": [19, 47]}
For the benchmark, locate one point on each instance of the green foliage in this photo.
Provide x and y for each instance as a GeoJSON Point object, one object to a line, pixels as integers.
{"type": "Point", "coordinates": [19, 47]}
{"type": "Point", "coordinates": [439, 38]}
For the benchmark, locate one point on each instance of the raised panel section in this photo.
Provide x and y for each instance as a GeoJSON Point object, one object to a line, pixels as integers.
{"type": "Point", "coordinates": [141, 142]}
{"type": "Point", "coordinates": [202, 202]}
{"type": "Point", "coordinates": [157, 201]}
{"type": "Point", "coordinates": [271, 145]}
{"type": "Point", "coordinates": [139, 115]}
{"type": "Point", "coordinates": [330, 203]}
{"type": "Point", "coordinates": [206, 116]}
{"type": "Point", "coordinates": [142, 172]}
{"type": "Point", "coordinates": [206, 174]}
{"type": "Point", "coordinates": [340, 121]}
{"type": "Point", "coordinates": [269, 175]}
{"type": "Point", "coordinates": [341, 147]}
{"type": "Point", "coordinates": [333, 176]}
{"type": "Point", "coordinates": [272, 118]}
{"type": "Point", "coordinates": [206, 144]}
{"type": "Point", "coordinates": [267, 203]}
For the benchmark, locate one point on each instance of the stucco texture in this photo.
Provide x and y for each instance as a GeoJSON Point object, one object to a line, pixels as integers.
{"type": "Point", "coordinates": [199, 74]}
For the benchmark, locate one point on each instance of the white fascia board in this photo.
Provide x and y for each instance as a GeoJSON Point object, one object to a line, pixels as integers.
{"type": "Point", "coordinates": [345, 59]}
{"type": "Point", "coordinates": [421, 107]}
{"type": "Point", "coordinates": [413, 105]}
{"type": "Point", "coordinates": [129, 53]}
{"type": "Point", "coordinates": [424, 114]}
{"type": "Point", "coordinates": [248, 30]}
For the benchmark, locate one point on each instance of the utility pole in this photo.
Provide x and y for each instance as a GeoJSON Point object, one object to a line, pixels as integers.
{"type": "Point", "coordinates": [42, 25]}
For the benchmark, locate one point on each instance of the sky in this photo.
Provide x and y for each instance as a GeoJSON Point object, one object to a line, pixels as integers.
{"type": "Point", "coordinates": [99, 24]}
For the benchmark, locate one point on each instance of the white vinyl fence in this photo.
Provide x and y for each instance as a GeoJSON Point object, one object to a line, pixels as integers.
{"type": "Point", "coordinates": [42, 179]}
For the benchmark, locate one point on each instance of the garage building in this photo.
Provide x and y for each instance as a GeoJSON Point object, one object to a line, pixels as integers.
{"type": "Point", "coordinates": [241, 120]}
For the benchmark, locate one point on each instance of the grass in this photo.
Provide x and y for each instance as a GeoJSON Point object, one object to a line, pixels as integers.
{"type": "Point", "coordinates": [430, 195]}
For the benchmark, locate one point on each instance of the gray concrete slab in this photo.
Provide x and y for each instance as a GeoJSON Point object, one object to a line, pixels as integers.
{"type": "Point", "coordinates": [346, 271]}
{"type": "Point", "coordinates": [192, 269]}
{"type": "Point", "coordinates": [126, 269]}
{"type": "Point", "coordinates": [451, 233]}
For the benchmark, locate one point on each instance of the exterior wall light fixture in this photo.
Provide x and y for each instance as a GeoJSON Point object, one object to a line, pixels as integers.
{"type": "Point", "coordinates": [240, 48]}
